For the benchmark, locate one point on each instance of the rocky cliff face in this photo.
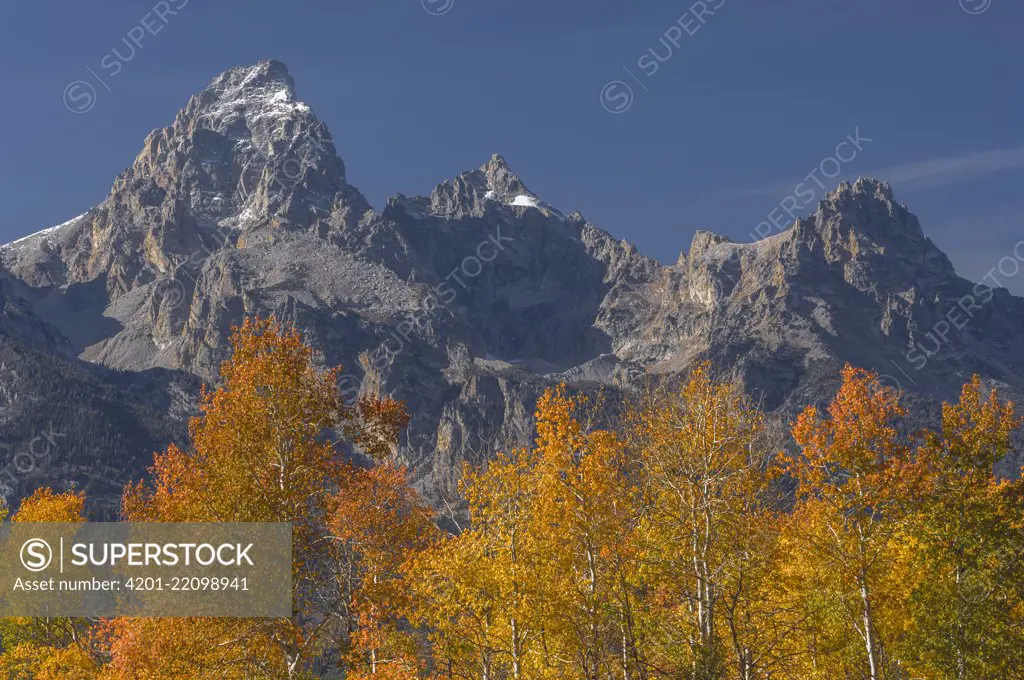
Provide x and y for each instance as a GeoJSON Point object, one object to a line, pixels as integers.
{"type": "Point", "coordinates": [467, 302]}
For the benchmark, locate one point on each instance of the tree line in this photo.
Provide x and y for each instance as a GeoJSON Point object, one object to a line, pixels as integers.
{"type": "Point", "coordinates": [679, 542]}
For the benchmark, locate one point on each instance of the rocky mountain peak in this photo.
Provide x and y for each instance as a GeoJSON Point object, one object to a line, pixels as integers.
{"type": "Point", "coordinates": [253, 105]}
{"type": "Point", "coordinates": [239, 83]}
{"type": "Point", "coordinates": [703, 240]}
{"type": "Point", "coordinates": [493, 184]}
{"type": "Point", "coordinates": [877, 239]}
{"type": "Point", "coordinates": [244, 158]}
{"type": "Point", "coordinates": [246, 152]}
{"type": "Point", "coordinates": [867, 203]}
{"type": "Point", "coordinates": [465, 303]}
{"type": "Point", "coordinates": [503, 184]}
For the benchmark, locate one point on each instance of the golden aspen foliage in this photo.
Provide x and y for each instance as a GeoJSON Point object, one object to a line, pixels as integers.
{"type": "Point", "coordinates": [858, 488]}
{"type": "Point", "coordinates": [682, 538]}
{"type": "Point", "coordinates": [706, 471]}
{"type": "Point", "coordinates": [46, 506]}
{"type": "Point", "coordinates": [377, 522]}
{"type": "Point", "coordinates": [473, 591]}
{"type": "Point", "coordinates": [965, 571]}
{"type": "Point", "coordinates": [48, 647]}
{"type": "Point", "coordinates": [585, 520]}
{"type": "Point", "coordinates": [261, 452]}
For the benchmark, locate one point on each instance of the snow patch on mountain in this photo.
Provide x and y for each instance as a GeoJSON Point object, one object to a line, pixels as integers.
{"type": "Point", "coordinates": [24, 240]}
{"type": "Point", "coordinates": [262, 91]}
{"type": "Point", "coordinates": [526, 201]}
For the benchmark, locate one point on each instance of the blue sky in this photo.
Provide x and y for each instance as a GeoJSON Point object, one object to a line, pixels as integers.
{"type": "Point", "coordinates": [744, 104]}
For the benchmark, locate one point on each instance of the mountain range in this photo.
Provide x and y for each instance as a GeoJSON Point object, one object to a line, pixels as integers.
{"type": "Point", "coordinates": [465, 303]}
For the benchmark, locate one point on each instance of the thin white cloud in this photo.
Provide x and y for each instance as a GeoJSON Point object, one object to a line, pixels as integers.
{"type": "Point", "coordinates": [940, 172]}
{"type": "Point", "coordinates": [927, 174]}
{"type": "Point", "coordinates": [751, 193]}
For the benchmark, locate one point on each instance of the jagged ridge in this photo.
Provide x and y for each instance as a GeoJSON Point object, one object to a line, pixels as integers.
{"type": "Point", "coordinates": [467, 301]}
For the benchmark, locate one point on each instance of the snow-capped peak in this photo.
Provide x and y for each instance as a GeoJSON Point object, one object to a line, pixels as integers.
{"type": "Point", "coordinates": [262, 92]}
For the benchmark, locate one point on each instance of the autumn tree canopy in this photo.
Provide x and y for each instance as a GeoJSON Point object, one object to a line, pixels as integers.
{"type": "Point", "coordinates": [262, 450]}
{"type": "Point", "coordinates": [48, 648]}
{"type": "Point", "coordinates": [680, 537]}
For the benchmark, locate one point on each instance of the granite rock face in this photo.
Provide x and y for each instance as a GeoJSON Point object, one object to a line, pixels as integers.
{"type": "Point", "coordinates": [466, 302]}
